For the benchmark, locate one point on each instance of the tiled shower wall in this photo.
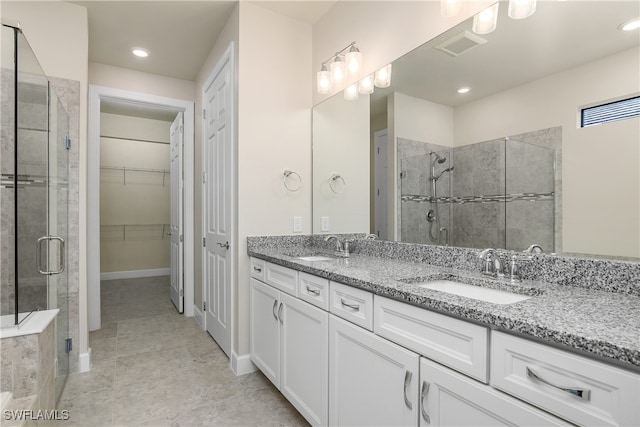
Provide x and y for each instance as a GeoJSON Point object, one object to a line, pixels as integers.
{"type": "Point", "coordinates": [479, 170]}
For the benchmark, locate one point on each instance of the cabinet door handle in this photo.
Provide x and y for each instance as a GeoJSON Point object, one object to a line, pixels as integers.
{"type": "Point", "coordinates": [312, 291]}
{"type": "Point", "coordinates": [423, 404]}
{"type": "Point", "coordinates": [257, 269]}
{"type": "Point", "coordinates": [407, 381]}
{"type": "Point", "coordinates": [355, 307]}
{"type": "Point", "coordinates": [578, 392]}
{"type": "Point", "coordinates": [280, 313]}
{"type": "Point", "coordinates": [273, 310]}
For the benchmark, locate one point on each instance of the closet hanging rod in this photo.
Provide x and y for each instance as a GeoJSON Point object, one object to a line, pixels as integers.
{"type": "Point", "coordinates": [128, 169]}
{"type": "Point", "coordinates": [134, 139]}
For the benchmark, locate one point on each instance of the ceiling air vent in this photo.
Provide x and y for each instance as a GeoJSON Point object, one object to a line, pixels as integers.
{"type": "Point", "coordinates": [460, 43]}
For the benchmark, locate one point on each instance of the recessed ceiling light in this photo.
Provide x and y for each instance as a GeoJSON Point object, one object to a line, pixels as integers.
{"type": "Point", "coordinates": [140, 52]}
{"type": "Point", "coordinates": [634, 24]}
{"type": "Point", "coordinates": [464, 89]}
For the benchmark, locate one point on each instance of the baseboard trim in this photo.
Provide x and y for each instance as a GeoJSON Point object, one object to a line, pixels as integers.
{"type": "Point", "coordinates": [134, 274]}
{"type": "Point", "coordinates": [85, 361]}
{"type": "Point", "coordinates": [242, 365]}
{"type": "Point", "coordinates": [198, 317]}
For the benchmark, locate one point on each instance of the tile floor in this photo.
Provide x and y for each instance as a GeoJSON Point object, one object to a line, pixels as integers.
{"type": "Point", "coordinates": [155, 367]}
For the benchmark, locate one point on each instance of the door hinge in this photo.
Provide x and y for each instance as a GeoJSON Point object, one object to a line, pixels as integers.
{"type": "Point", "coordinates": [181, 129]}
{"type": "Point", "coordinates": [204, 305]}
{"type": "Point", "coordinates": [181, 292]}
{"type": "Point", "coordinates": [68, 345]}
{"type": "Point", "coordinates": [67, 142]}
{"type": "Point", "coordinates": [204, 113]}
{"type": "Point", "coordinates": [204, 242]}
{"type": "Point", "coordinates": [181, 238]}
{"type": "Point", "coordinates": [204, 177]}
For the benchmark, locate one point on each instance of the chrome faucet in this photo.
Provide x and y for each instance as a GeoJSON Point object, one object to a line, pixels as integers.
{"type": "Point", "coordinates": [534, 249]}
{"type": "Point", "coordinates": [371, 236]}
{"type": "Point", "coordinates": [492, 264]}
{"type": "Point", "coordinates": [342, 249]}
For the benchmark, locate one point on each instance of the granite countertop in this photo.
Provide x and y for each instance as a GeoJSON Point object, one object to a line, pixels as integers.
{"type": "Point", "coordinates": [601, 324]}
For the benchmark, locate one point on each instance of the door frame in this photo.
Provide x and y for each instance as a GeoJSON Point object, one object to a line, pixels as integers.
{"type": "Point", "coordinates": [96, 94]}
{"type": "Point", "coordinates": [227, 56]}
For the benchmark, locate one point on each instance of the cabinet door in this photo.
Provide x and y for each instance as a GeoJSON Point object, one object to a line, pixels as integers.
{"type": "Point", "coordinates": [371, 380]}
{"type": "Point", "coordinates": [305, 359]}
{"type": "Point", "coordinates": [448, 398]}
{"type": "Point", "coordinates": [265, 329]}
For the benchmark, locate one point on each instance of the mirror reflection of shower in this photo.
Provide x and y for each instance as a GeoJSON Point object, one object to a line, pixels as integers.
{"type": "Point", "coordinates": [433, 215]}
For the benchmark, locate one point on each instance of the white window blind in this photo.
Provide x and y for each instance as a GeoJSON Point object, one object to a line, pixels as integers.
{"type": "Point", "coordinates": [612, 111]}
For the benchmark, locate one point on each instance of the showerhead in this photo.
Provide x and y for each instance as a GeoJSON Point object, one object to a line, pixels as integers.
{"type": "Point", "coordinates": [449, 169]}
{"type": "Point", "coordinates": [438, 158]}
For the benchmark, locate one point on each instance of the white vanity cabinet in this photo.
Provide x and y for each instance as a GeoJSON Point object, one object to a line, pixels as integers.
{"type": "Point", "coordinates": [448, 398]}
{"type": "Point", "coordinates": [289, 344]}
{"type": "Point", "coordinates": [372, 381]}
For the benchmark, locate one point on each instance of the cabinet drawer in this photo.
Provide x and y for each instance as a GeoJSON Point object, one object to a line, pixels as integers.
{"type": "Point", "coordinates": [574, 387]}
{"type": "Point", "coordinates": [352, 304]}
{"type": "Point", "coordinates": [314, 290]}
{"type": "Point", "coordinates": [282, 278]}
{"type": "Point", "coordinates": [256, 268]}
{"type": "Point", "coordinates": [460, 345]}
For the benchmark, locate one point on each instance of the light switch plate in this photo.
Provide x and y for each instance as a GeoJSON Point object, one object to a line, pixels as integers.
{"type": "Point", "coordinates": [297, 224]}
{"type": "Point", "coordinates": [324, 223]}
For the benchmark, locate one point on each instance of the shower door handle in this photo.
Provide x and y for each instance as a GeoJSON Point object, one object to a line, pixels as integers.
{"type": "Point", "coordinates": [61, 257]}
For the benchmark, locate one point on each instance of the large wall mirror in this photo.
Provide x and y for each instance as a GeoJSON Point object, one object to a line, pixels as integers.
{"type": "Point", "coordinates": [506, 164]}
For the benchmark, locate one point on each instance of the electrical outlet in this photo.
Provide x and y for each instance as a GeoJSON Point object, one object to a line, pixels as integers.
{"type": "Point", "coordinates": [297, 224]}
{"type": "Point", "coordinates": [324, 223]}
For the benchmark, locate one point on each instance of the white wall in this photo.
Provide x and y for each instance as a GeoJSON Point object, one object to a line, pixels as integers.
{"type": "Point", "coordinates": [601, 177]}
{"type": "Point", "coordinates": [341, 145]}
{"type": "Point", "coordinates": [142, 200]}
{"type": "Point", "coordinates": [383, 30]}
{"type": "Point", "coordinates": [58, 34]}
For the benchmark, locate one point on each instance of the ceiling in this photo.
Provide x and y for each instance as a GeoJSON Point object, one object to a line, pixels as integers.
{"type": "Point", "coordinates": [178, 34]}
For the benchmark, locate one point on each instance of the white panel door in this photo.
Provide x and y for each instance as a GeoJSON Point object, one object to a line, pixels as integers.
{"type": "Point", "coordinates": [176, 212]}
{"type": "Point", "coordinates": [264, 339]}
{"type": "Point", "coordinates": [217, 203]}
{"type": "Point", "coordinates": [305, 358]}
{"type": "Point", "coordinates": [372, 382]}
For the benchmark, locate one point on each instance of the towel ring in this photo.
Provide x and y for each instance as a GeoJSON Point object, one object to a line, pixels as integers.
{"type": "Point", "coordinates": [297, 180]}
{"type": "Point", "coordinates": [334, 183]}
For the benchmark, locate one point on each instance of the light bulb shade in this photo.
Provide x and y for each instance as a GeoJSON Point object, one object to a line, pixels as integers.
{"type": "Point", "coordinates": [520, 9]}
{"type": "Point", "coordinates": [485, 22]}
{"type": "Point", "coordinates": [382, 77]}
{"type": "Point", "coordinates": [337, 70]}
{"type": "Point", "coordinates": [365, 86]}
{"type": "Point", "coordinates": [351, 92]}
{"type": "Point", "coordinates": [449, 8]}
{"type": "Point", "coordinates": [324, 81]}
{"type": "Point", "coordinates": [353, 59]}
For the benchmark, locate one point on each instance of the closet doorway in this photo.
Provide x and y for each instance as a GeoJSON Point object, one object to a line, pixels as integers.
{"type": "Point", "coordinates": [139, 210]}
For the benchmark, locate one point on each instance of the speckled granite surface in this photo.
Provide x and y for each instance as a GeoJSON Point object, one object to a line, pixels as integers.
{"type": "Point", "coordinates": [590, 306]}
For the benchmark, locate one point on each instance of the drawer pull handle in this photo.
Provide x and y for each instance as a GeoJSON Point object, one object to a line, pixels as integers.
{"type": "Point", "coordinates": [407, 381]}
{"type": "Point", "coordinates": [423, 404]}
{"type": "Point", "coordinates": [578, 392]}
{"type": "Point", "coordinates": [280, 313]}
{"type": "Point", "coordinates": [312, 291]}
{"type": "Point", "coordinates": [355, 307]}
{"type": "Point", "coordinates": [273, 310]}
{"type": "Point", "coordinates": [257, 269]}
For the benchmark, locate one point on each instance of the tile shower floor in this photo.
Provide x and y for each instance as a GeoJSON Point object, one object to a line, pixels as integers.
{"type": "Point", "coordinates": [155, 367]}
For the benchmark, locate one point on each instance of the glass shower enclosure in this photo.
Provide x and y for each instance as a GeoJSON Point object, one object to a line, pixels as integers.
{"type": "Point", "coordinates": [34, 195]}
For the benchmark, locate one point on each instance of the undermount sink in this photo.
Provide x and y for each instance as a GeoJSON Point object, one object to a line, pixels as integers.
{"type": "Point", "coordinates": [315, 258]}
{"type": "Point", "coordinates": [495, 296]}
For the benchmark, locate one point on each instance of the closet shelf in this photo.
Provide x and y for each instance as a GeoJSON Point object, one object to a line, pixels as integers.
{"type": "Point", "coordinates": [115, 232]}
{"type": "Point", "coordinates": [127, 170]}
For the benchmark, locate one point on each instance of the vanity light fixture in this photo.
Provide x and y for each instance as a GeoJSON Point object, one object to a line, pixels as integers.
{"type": "Point", "coordinates": [485, 22]}
{"type": "Point", "coordinates": [140, 52]}
{"type": "Point", "coordinates": [449, 8]}
{"type": "Point", "coordinates": [341, 65]}
{"type": "Point", "coordinates": [365, 86]}
{"type": "Point", "coordinates": [634, 24]}
{"type": "Point", "coordinates": [520, 9]}
{"type": "Point", "coordinates": [351, 92]}
{"type": "Point", "coordinates": [382, 77]}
